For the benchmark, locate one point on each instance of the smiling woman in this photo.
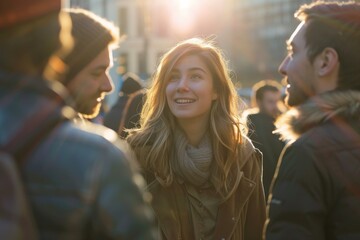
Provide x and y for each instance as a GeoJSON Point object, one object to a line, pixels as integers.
{"type": "Point", "coordinates": [197, 162]}
{"type": "Point", "coordinates": [190, 93]}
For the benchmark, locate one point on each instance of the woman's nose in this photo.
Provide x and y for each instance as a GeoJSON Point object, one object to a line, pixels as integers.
{"type": "Point", "coordinates": [183, 84]}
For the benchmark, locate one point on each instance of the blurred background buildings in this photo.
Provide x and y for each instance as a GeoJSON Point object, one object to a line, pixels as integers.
{"type": "Point", "coordinates": [252, 33]}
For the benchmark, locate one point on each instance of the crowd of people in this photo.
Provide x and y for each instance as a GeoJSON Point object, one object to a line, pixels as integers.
{"type": "Point", "coordinates": [178, 159]}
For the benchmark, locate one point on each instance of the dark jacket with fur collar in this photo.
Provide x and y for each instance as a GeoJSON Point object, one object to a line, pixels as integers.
{"type": "Point", "coordinates": [316, 188]}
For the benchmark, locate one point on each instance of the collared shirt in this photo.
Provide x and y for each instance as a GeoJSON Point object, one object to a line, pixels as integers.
{"type": "Point", "coordinates": [204, 205]}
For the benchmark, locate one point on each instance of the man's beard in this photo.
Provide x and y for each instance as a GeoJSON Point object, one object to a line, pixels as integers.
{"type": "Point", "coordinates": [88, 109]}
{"type": "Point", "coordinates": [297, 95]}
{"type": "Point", "coordinates": [91, 113]}
{"type": "Point", "coordinates": [295, 98]}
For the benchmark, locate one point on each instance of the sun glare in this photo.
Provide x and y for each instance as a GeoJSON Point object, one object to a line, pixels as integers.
{"type": "Point", "coordinates": [183, 13]}
{"type": "Point", "coordinates": [184, 5]}
{"type": "Point", "coordinates": [196, 17]}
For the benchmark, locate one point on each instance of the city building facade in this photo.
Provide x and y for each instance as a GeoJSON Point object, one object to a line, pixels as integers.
{"type": "Point", "coordinates": [252, 33]}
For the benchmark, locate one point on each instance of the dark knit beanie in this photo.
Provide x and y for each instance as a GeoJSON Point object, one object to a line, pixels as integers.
{"type": "Point", "coordinates": [13, 12]}
{"type": "Point", "coordinates": [92, 34]}
{"type": "Point", "coordinates": [131, 84]}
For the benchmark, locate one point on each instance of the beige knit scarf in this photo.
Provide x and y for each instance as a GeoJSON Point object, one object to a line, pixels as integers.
{"type": "Point", "coordinates": [191, 163]}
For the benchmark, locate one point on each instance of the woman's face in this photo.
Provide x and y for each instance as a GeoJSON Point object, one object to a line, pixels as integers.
{"type": "Point", "coordinates": [190, 91]}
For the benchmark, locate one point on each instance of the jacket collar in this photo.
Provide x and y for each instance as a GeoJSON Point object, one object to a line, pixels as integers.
{"type": "Point", "coordinates": [318, 110]}
{"type": "Point", "coordinates": [173, 213]}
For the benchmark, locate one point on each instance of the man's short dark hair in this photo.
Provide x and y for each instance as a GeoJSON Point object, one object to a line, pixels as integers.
{"type": "Point", "coordinates": [335, 25]}
{"type": "Point", "coordinates": [259, 89]}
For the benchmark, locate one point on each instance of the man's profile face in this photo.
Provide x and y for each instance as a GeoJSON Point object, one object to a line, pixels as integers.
{"type": "Point", "coordinates": [91, 84]}
{"type": "Point", "coordinates": [297, 69]}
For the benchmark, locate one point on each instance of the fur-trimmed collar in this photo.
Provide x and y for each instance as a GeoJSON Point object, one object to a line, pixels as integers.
{"type": "Point", "coordinates": [316, 111]}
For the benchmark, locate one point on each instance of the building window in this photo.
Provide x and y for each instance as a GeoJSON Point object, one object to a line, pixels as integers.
{"type": "Point", "coordinates": [122, 63]}
{"type": "Point", "coordinates": [142, 63]}
{"type": "Point", "coordinates": [141, 22]}
{"type": "Point", "coordinates": [161, 24]}
{"type": "Point", "coordinates": [80, 3]}
{"type": "Point", "coordinates": [123, 20]}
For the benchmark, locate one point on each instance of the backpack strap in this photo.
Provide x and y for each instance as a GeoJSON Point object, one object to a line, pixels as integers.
{"type": "Point", "coordinates": [125, 111]}
{"type": "Point", "coordinates": [30, 134]}
{"type": "Point", "coordinates": [44, 119]}
{"type": "Point", "coordinates": [16, 218]}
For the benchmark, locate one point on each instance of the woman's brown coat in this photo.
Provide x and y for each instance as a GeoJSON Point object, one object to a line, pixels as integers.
{"type": "Point", "coordinates": [241, 217]}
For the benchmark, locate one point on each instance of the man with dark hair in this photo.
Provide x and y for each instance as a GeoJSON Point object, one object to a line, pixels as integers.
{"type": "Point", "coordinates": [88, 79]}
{"type": "Point", "coordinates": [315, 191]}
{"type": "Point", "coordinates": [125, 114]}
{"type": "Point", "coordinates": [266, 96]}
{"type": "Point", "coordinates": [266, 100]}
{"type": "Point", "coordinates": [79, 184]}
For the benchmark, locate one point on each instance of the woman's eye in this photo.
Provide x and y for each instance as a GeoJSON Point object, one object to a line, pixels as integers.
{"type": "Point", "coordinates": [196, 76]}
{"type": "Point", "coordinates": [174, 77]}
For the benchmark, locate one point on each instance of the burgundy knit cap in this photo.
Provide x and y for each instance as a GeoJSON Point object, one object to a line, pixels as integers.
{"type": "Point", "coordinates": [13, 12]}
{"type": "Point", "coordinates": [91, 36]}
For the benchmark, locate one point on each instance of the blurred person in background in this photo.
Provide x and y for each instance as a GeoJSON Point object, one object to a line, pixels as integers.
{"type": "Point", "coordinates": [315, 191]}
{"type": "Point", "coordinates": [203, 172]}
{"type": "Point", "coordinates": [125, 114]}
{"type": "Point", "coordinates": [79, 184]}
{"type": "Point", "coordinates": [266, 102]}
